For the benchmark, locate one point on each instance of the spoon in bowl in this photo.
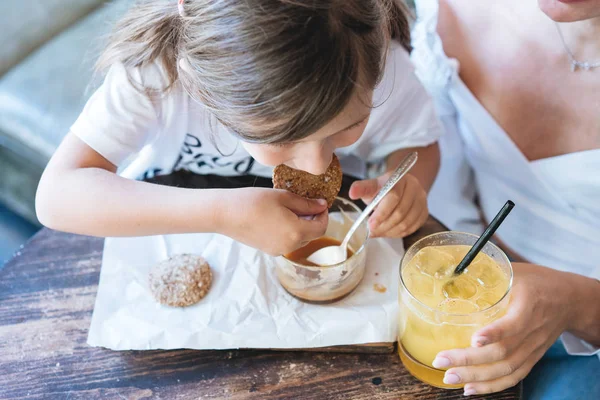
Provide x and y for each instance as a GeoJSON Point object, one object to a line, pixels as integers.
{"type": "Point", "coordinates": [332, 255]}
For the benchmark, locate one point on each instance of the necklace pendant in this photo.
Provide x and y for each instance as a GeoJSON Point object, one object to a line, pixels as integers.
{"type": "Point", "coordinates": [586, 66]}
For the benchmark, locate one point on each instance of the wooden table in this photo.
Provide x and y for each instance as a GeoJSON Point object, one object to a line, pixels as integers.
{"type": "Point", "coordinates": [47, 294]}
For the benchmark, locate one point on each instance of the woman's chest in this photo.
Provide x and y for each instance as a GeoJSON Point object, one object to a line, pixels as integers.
{"type": "Point", "coordinates": [521, 75]}
{"type": "Point", "coordinates": [545, 111]}
{"type": "Point", "coordinates": [542, 120]}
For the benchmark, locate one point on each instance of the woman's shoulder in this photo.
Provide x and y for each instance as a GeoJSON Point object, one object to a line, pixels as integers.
{"type": "Point", "coordinates": [463, 23]}
{"type": "Point", "coordinates": [446, 35]}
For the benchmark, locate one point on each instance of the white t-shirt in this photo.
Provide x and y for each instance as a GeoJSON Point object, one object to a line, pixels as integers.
{"type": "Point", "coordinates": [147, 135]}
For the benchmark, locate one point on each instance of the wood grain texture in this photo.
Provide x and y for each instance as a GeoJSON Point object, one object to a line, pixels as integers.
{"type": "Point", "coordinates": [47, 295]}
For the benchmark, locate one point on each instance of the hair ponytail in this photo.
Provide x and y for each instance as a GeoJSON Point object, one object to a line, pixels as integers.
{"type": "Point", "coordinates": [399, 23]}
{"type": "Point", "coordinates": [150, 31]}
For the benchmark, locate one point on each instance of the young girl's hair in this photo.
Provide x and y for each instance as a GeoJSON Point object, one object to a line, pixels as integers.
{"type": "Point", "coordinates": [272, 71]}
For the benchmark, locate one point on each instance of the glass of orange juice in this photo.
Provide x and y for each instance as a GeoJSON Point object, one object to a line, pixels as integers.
{"type": "Point", "coordinates": [441, 311]}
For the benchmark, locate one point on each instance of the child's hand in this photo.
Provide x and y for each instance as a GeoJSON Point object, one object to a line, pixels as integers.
{"type": "Point", "coordinates": [272, 220]}
{"type": "Point", "coordinates": [401, 212]}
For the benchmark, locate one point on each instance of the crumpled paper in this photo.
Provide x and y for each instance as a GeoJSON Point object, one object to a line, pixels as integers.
{"type": "Point", "coordinates": [246, 306]}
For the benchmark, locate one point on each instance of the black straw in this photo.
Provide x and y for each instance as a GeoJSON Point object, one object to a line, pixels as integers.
{"type": "Point", "coordinates": [485, 237]}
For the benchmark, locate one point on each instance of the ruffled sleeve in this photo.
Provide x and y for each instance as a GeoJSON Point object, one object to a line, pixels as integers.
{"type": "Point", "coordinates": [435, 70]}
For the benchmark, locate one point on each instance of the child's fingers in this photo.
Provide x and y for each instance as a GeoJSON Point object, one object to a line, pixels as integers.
{"type": "Point", "coordinates": [420, 221]}
{"type": "Point", "coordinates": [404, 202]}
{"type": "Point", "coordinates": [401, 231]}
{"type": "Point", "coordinates": [303, 206]}
{"type": "Point", "coordinates": [364, 190]}
{"type": "Point", "coordinates": [383, 212]}
{"type": "Point", "coordinates": [390, 223]}
{"type": "Point", "coordinates": [415, 217]}
{"type": "Point", "coordinates": [314, 228]}
{"type": "Point", "coordinates": [402, 211]}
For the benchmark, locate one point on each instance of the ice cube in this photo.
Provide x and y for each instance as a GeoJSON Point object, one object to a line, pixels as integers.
{"type": "Point", "coordinates": [435, 262]}
{"type": "Point", "coordinates": [420, 284]}
{"type": "Point", "coordinates": [458, 306]}
{"type": "Point", "coordinates": [483, 303]}
{"type": "Point", "coordinates": [485, 272]}
{"type": "Point", "coordinates": [486, 300]}
{"type": "Point", "coordinates": [461, 287]}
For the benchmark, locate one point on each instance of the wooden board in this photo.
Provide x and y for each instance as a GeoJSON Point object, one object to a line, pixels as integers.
{"type": "Point", "coordinates": [375, 348]}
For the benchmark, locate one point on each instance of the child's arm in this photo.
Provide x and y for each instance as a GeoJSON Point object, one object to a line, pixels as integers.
{"type": "Point", "coordinates": [80, 192]}
{"type": "Point", "coordinates": [426, 168]}
{"type": "Point", "coordinates": [404, 209]}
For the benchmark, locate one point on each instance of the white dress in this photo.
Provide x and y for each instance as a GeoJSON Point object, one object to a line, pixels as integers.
{"type": "Point", "coordinates": [556, 221]}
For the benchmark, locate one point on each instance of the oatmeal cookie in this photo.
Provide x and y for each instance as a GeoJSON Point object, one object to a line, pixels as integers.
{"type": "Point", "coordinates": [180, 281]}
{"type": "Point", "coordinates": [325, 186]}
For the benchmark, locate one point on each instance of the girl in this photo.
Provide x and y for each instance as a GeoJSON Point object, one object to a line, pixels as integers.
{"type": "Point", "coordinates": [291, 80]}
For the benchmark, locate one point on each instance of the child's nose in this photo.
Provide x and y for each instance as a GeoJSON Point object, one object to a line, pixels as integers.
{"type": "Point", "coordinates": [314, 161]}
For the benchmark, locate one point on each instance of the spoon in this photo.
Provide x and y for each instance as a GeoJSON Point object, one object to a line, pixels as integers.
{"type": "Point", "coordinates": [332, 255]}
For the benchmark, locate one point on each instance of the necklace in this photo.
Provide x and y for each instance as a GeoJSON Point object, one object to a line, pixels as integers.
{"type": "Point", "coordinates": [574, 63]}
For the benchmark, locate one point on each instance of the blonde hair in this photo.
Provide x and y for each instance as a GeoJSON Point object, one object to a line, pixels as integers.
{"type": "Point", "coordinates": [270, 70]}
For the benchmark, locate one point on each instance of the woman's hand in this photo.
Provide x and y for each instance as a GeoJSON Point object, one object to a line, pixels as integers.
{"type": "Point", "coordinates": [503, 353]}
{"type": "Point", "coordinates": [274, 221]}
{"type": "Point", "coordinates": [401, 212]}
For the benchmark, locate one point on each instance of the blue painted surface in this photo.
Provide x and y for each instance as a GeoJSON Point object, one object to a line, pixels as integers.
{"type": "Point", "coordinates": [14, 231]}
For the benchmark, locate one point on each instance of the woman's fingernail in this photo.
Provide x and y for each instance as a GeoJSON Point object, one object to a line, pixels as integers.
{"type": "Point", "coordinates": [479, 341]}
{"type": "Point", "coordinates": [470, 392]}
{"type": "Point", "coordinates": [322, 202]}
{"type": "Point", "coordinates": [441, 362]}
{"type": "Point", "coordinates": [451, 379]}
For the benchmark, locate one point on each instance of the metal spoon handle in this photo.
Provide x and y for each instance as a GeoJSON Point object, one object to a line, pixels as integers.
{"type": "Point", "coordinates": [398, 174]}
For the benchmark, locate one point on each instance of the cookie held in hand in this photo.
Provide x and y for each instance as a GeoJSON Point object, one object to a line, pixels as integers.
{"type": "Point", "coordinates": [180, 281]}
{"type": "Point", "coordinates": [325, 186]}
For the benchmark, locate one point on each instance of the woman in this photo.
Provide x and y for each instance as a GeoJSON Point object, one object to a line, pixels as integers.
{"type": "Point", "coordinates": [517, 86]}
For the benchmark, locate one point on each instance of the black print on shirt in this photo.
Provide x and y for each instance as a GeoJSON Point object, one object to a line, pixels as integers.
{"type": "Point", "coordinates": [192, 158]}
{"type": "Point", "coordinates": [151, 173]}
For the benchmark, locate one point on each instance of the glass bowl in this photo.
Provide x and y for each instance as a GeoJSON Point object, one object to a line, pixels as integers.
{"type": "Point", "coordinates": [327, 284]}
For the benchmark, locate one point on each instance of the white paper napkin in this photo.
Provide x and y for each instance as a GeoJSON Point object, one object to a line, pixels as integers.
{"type": "Point", "coordinates": [245, 308]}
